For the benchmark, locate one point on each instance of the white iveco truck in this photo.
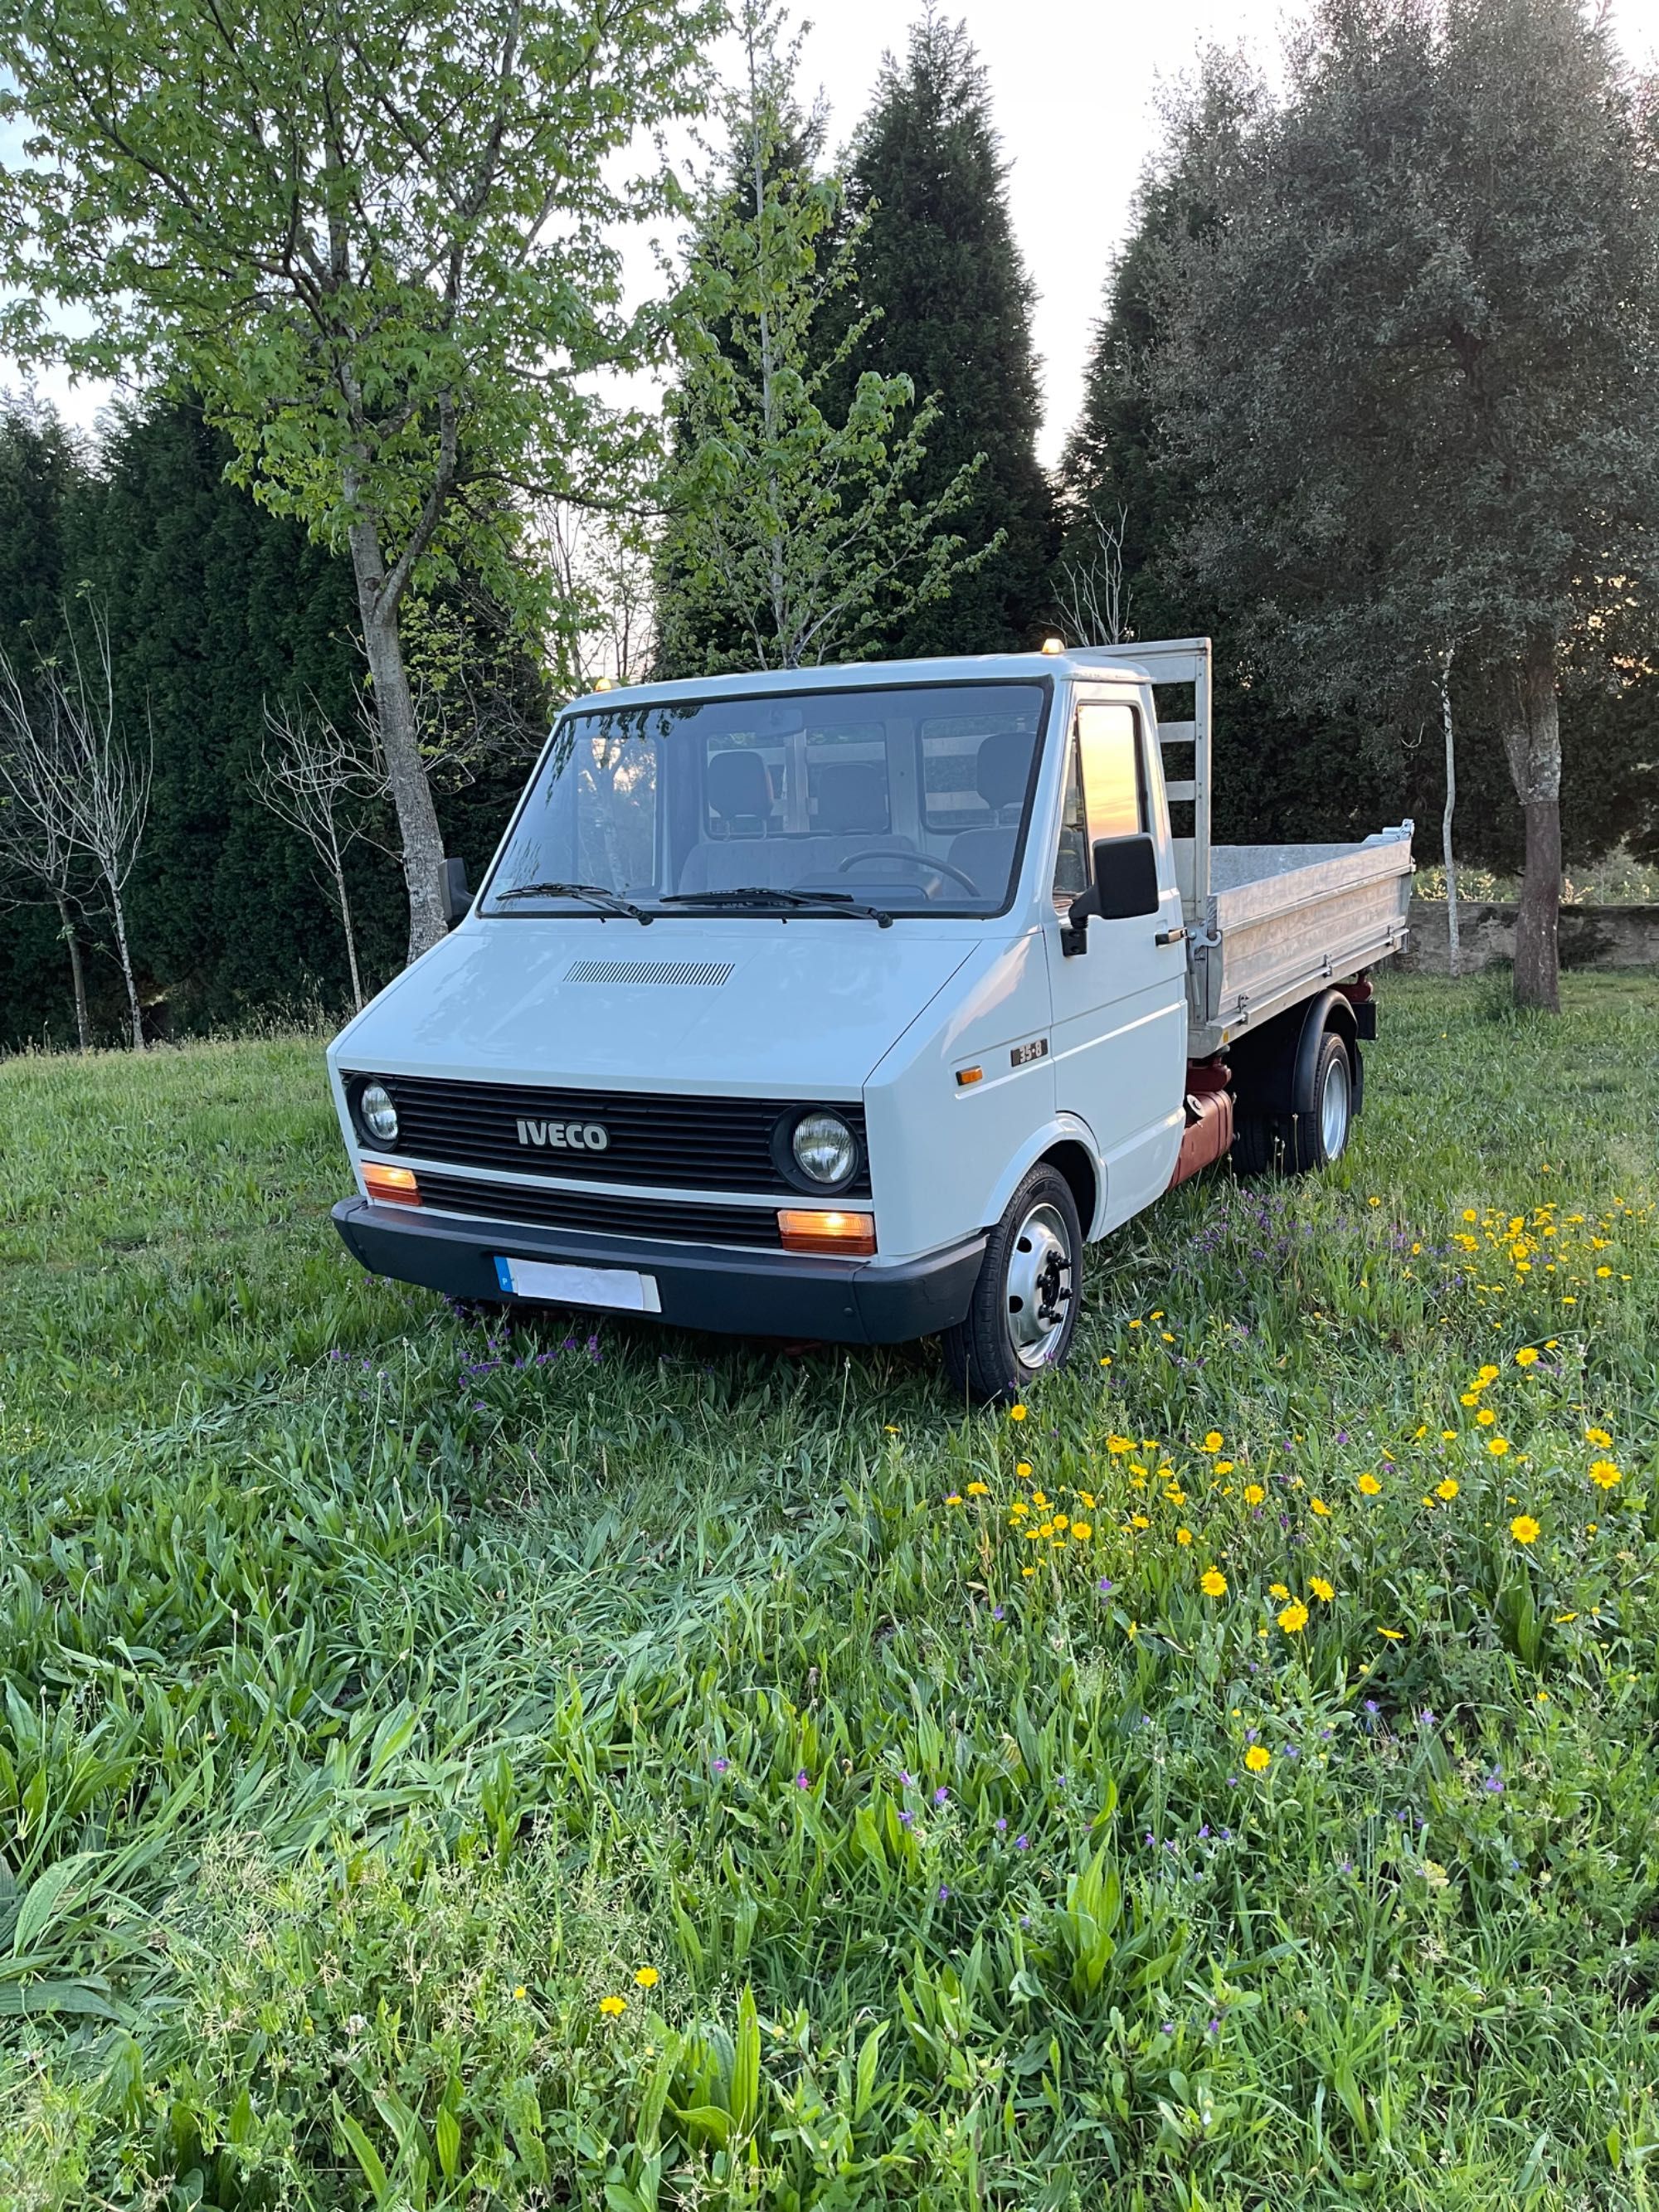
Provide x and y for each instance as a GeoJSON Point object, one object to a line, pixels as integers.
{"type": "Point", "coordinates": [851, 1003]}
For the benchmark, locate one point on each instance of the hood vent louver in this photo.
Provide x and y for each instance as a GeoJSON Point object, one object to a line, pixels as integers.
{"type": "Point", "coordinates": [709, 974]}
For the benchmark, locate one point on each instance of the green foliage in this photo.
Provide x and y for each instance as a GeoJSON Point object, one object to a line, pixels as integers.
{"type": "Point", "coordinates": [1410, 401]}
{"type": "Point", "coordinates": [796, 535]}
{"type": "Point", "coordinates": [384, 1689]}
{"type": "Point", "coordinates": [379, 244]}
{"type": "Point", "coordinates": [215, 607]}
{"type": "Point", "coordinates": [941, 276]}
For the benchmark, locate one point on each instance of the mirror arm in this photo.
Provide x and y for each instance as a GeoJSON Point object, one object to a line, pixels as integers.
{"type": "Point", "coordinates": [1074, 930]}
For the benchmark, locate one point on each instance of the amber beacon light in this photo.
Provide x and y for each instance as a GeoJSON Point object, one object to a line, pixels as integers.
{"type": "Point", "coordinates": [806, 1228]}
{"type": "Point", "coordinates": [397, 1186]}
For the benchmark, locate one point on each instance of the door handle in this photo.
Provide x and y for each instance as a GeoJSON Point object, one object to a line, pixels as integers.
{"type": "Point", "coordinates": [1170, 937]}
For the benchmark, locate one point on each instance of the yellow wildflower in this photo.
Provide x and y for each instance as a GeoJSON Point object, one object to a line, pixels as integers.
{"type": "Point", "coordinates": [1278, 1591]}
{"type": "Point", "coordinates": [648, 1977]}
{"type": "Point", "coordinates": [1369, 1486]}
{"type": "Point", "coordinates": [1524, 1528]}
{"type": "Point", "coordinates": [1526, 1357]}
{"type": "Point", "coordinates": [979, 1490]}
{"type": "Point", "coordinates": [1254, 1493]}
{"type": "Point", "coordinates": [1213, 1583]}
{"type": "Point", "coordinates": [1604, 1474]}
{"type": "Point", "coordinates": [613, 2008]}
{"type": "Point", "coordinates": [1258, 1758]}
{"type": "Point", "coordinates": [1212, 1442]}
{"type": "Point", "coordinates": [1016, 1412]}
{"type": "Point", "coordinates": [1320, 1507]}
{"type": "Point", "coordinates": [1294, 1618]}
{"type": "Point", "coordinates": [1321, 1589]}
{"type": "Point", "coordinates": [1081, 1531]}
{"type": "Point", "coordinates": [1497, 1446]}
{"type": "Point", "coordinates": [1486, 1417]}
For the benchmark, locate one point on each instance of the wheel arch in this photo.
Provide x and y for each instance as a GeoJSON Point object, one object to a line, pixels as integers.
{"type": "Point", "coordinates": [1069, 1143]}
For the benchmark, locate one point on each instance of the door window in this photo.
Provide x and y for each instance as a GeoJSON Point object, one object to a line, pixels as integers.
{"type": "Point", "coordinates": [1113, 781]}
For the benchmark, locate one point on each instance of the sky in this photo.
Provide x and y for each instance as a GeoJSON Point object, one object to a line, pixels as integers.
{"type": "Point", "coordinates": [1075, 85]}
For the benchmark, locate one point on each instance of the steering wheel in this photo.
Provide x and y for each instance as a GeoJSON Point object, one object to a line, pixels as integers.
{"type": "Point", "coordinates": [915, 861]}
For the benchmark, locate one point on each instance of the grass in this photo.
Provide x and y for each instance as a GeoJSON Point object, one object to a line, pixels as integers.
{"type": "Point", "coordinates": [441, 1767]}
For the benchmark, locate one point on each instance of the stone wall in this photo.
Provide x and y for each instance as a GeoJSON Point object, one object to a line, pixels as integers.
{"type": "Point", "coordinates": [1591, 936]}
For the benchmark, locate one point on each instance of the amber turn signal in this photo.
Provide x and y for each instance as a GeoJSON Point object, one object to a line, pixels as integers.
{"type": "Point", "coordinates": [806, 1230]}
{"type": "Point", "coordinates": [397, 1186]}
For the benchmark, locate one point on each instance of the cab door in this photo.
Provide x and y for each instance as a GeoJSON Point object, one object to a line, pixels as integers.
{"type": "Point", "coordinates": [1119, 1038]}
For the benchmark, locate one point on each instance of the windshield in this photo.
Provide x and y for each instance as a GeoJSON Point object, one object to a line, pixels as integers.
{"type": "Point", "coordinates": [907, 799]}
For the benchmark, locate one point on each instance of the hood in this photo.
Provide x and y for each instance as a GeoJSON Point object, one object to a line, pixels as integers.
{"type": "Point", "coordinates": [757, 1008]}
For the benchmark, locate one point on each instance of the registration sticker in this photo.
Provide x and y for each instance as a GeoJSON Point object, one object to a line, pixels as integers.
{"type": "Point", "coordinates": [621, 1289]}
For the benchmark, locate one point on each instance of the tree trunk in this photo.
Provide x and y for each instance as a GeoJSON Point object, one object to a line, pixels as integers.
{"type": "Point", "coordinates": [406, 776]}
{"type": "Point", "coordinates": [77, 974]}
{"type": "Point", "coordinates": [1452, 947]}
{"type": "Point", "coordinates": [1533, 743]}
{"type": "Point", "coordinates": [134, 1010]}
{"type": "Point", "coordinates": [350, 937]}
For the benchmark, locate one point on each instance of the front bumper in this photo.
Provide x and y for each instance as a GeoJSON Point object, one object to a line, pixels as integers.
{"type": "Point", "coordinates": [736, 1293]}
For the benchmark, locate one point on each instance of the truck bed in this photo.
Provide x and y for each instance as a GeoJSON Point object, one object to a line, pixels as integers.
{"type": "Point", "coordinates": [1279, 921]}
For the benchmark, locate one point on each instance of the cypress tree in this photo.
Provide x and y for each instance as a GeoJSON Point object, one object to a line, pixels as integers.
{"type": "Point", "coordinates": [940, 263]}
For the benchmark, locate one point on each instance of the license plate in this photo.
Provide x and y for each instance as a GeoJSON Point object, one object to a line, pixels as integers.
{"type": "Point", "coordinates": [621, 1289]}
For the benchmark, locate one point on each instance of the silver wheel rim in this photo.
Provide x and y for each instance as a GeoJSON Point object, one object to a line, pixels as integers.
{"type": "Point", "coordinates": [1334, 1108]}
{"type": "Point", "coordinates": [1040, 1284]}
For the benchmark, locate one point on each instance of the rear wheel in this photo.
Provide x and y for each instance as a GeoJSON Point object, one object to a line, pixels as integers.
{"type": "Point", "coordinates": [1301, 1143]}
{"type": "Point", "coordinates": [1023, 1313]}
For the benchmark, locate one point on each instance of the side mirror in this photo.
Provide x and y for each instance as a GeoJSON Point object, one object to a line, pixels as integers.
{"type": "Point", "coordinates": [1125, 886]}
{"type": "Point", "coordinates": [458, 899]}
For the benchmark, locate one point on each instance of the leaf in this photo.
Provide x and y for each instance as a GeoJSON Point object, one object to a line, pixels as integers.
{"type": "Point", "coordinates": [41, 1899]}
{"type": "Point", "coordinates": [365, 2153]}
{"type": "Point", "coordinates": [20, 1998]}
{"type": "Point", "coordinates": [447, 2132]}
{"type": "Point", "coordinates": [745, 2065]}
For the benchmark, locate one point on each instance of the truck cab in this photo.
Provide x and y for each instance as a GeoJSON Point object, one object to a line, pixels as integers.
{"type": "Point", "coordinates": [848, 1003]}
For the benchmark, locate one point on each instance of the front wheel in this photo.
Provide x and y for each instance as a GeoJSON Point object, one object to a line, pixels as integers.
{"type": "Point", "coordinates": [1024, 1307]}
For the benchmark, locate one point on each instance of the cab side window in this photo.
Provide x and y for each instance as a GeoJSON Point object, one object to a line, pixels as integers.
{"type": "Point", "coordinates": [1105, 790]}
{"type": "Point", "coordinates": [1114, 777]}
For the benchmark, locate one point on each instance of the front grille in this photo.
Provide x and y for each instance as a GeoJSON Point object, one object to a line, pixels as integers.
{"type": "Point", "coordinates": [698, 1144]}
{"type": "Point", "coordinates": [609, 1214]}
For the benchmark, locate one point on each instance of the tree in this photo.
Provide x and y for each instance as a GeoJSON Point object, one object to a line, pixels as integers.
{"type": "Point", "coordinates": [323, 782]}
{"type": "Point", "coordinates": [378, 242]}
{"type": "Point", "coordinates": [792, 531]}
{"type": "Point", "coordinates": [943, 280]}
{"type": "Point", "coordinates": [70, 766]}
{"type": "Point", "coordinates": [1409, 370]}
{"type": "Point", "coordinates": [36, 829]}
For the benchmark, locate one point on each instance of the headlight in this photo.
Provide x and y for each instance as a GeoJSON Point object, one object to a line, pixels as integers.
{"type": "Point", "coordinates": [377, 1114]}
{"type": "Point", "coordinates": [826, 1149]}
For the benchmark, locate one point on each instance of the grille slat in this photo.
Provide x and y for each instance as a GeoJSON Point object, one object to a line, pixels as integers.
{"type": "Point", "coordinates": [708, 1144]}
{"type": "Point", "coordinates": [709, 974]}
{"type": "Point", "coordinates": [665, 1221]}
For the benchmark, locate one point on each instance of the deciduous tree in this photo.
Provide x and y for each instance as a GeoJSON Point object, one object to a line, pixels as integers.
{"type": "Point", "coordinates": [379, 239]}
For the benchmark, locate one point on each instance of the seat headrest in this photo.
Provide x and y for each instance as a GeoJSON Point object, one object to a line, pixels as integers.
{"type": "Point", "coordinates": [852, 798]}
{"type": "Point", "coordinates": [738, 784]}
{"type": "Point", "coordinates": [1004, 764]}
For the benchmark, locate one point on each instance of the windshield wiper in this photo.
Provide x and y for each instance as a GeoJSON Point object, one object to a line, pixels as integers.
{"type": "Point", "coordinates": [593, 895]}
{"type": "Point", "coordinates": [763, 895]}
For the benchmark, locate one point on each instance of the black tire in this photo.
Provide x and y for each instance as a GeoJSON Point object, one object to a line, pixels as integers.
{"type": "Point", "coordinates": [1025, 1308]}
{"type": "Point", "coordinates": [1301, 1144]}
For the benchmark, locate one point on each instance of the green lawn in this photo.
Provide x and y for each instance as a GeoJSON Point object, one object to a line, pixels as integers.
{"type": "Point", "coordinates": [382, 1696]}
